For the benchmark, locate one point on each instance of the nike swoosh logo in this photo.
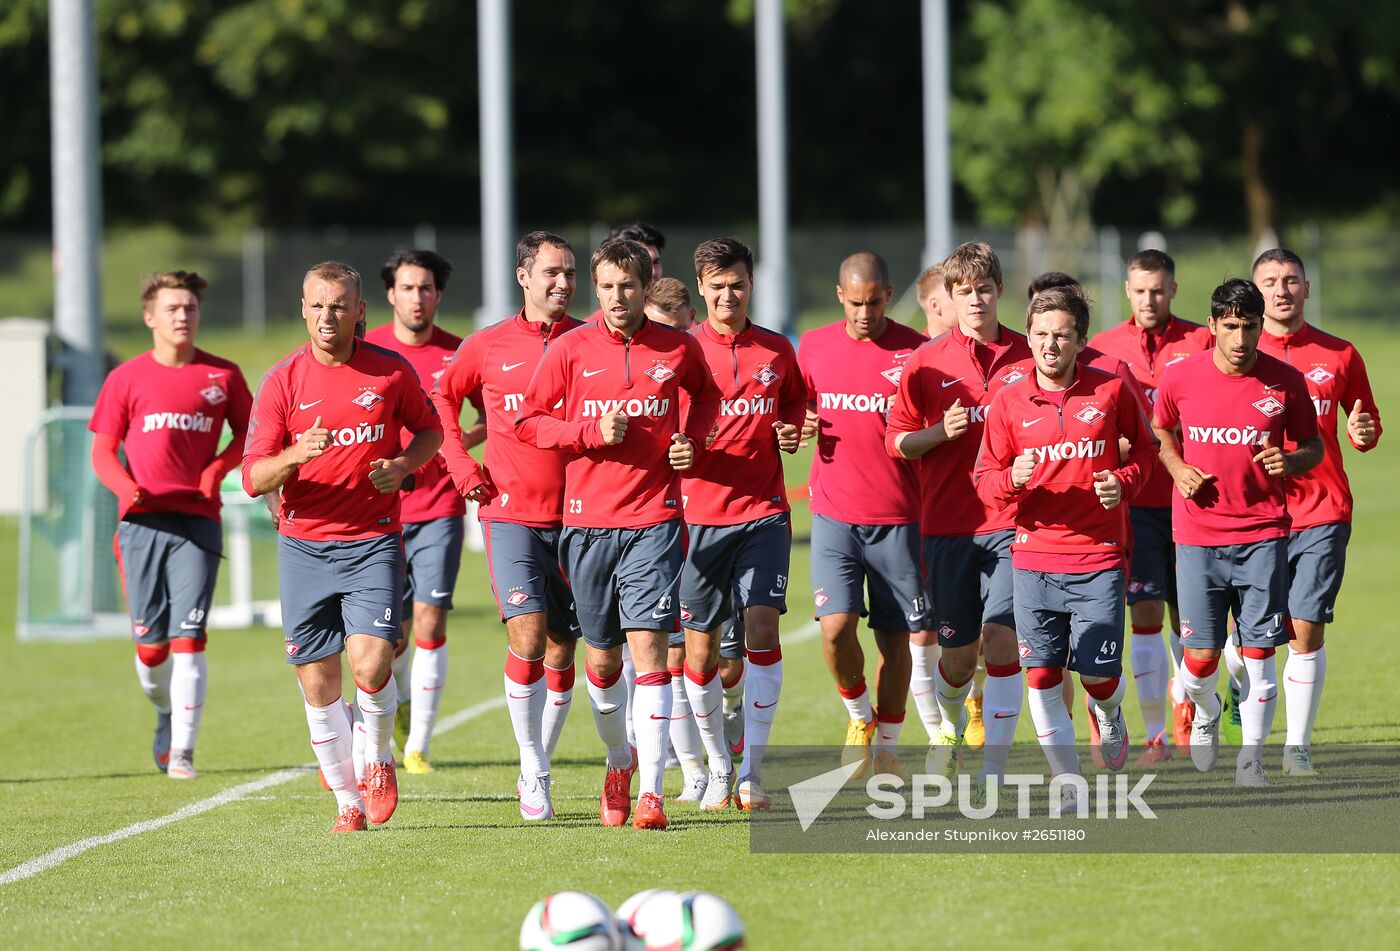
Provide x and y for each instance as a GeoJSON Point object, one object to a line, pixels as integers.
{"type": "Point", "coordinates": [200, 707]}
{"type": "Point", "coordinates": [426, 689]}
{"type": "Point", "coordinates": [186, 626]}
{"type": "Point", "coordinates": [588, 373]}
{"type": "Point", "coordinates": [923, 693]}
{"type": "Point", "coordinates": [606, 713]}
{"type": "Point", "coordinates": [1143, 674]}
{"type": "Point", "coordinates": [560, 703]}
{"type": "Point", "coordinates": [1002, 716]}
{"type": "Point", "coordinates": [520, 696]}
{"type": "Point", "coordinates": [775, 594]}
{"type": "Point", "coordinates": [1265, 699]}
{"type": "Point", "coordinates": [655, 717]}
{"type": "Point", "coordinates": [324, 742]}
{"type": "Point", "coordinates": [1294, 680]}
{"type": "Point", "coordinates": [309, 405]}
{"type": "Point", "coordinates": [379, 623]}
{"type": "Point", "coordinates": [658, 616]}
{"type": "Point", "coordinates": [507, 367]}
{"type": "Point", "coordinates": [439, 594]}
{"type": "Point", "coordinates": [529, 810]}
{"type": "Point", "coordinates": [710, 713]}
{"type": "Point", "coordinates": [1030, 422]}
{"type": "Point", "coordinates": [1041, 736]}
{"type": "Point", "coordinates": [947, 383]}
{"type": "Point", "coordinates": [764, 706]}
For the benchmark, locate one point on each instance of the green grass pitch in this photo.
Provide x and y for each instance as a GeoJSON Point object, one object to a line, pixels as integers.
{"type": "Point", "coordinates": [456, 867]}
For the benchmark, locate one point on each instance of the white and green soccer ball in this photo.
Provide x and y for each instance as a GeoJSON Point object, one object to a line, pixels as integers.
{"type": "Point", "coordinates": [575, 921]}
{"type": "Point", "coordinates": [663, 920]}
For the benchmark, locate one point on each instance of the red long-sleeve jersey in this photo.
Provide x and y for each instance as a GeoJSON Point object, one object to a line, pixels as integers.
{"type": "Point", "coordinates": [1147, 355]}
{"type": "Point", "coordinates": [1336, 379]}
{"type": "Point", "coordinates": [955, 367]}
{"type": "Point", "coordinates": [740, 476]}
{"type": "Point", "coordinates": [498, 362]}
{"type": "Point", "coordinates": [1060, 523]}
{"type": "Point", "coordinates": [595, 371]}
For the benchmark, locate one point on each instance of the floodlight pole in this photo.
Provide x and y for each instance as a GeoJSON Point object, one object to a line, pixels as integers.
{"type": "Point", "coordinates": [773, 283]}
{"type": "Point", "coordinates": [498, 288]}
{"type": "Point", "coordinates": [938, 166]}
{"type": "Point", "coordinates": [77, 197]}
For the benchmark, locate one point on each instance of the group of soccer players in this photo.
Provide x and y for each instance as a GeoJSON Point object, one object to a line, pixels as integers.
{"type": "Point", "coordinates": [990, 500]}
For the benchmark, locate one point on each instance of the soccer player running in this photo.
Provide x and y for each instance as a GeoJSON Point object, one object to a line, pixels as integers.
{"type": "Point", "coordinates": [1319, 501]}
{"type": "Point", "coordinates": [1149, 341]}
{"type": "Point", "coordinates": [1223, 418]}
{"type": "Point", "coordinates": [326, 432]}
{"type": "Point", "coordinates": [935, 302]}
{"type": "Point", "coordinates": [737, 517]}
{"type": "Point", "coordinates": [864, 507]}
{"type": "Point", "coordinates": [522, 520]}
{"type": "Point", "coordinates": [937, 418]}
{"type": "Point", "coordinates": [608, 395]}
{"type": "Point", "coordinates": [432, 511]}
{"type": "Point", "coordinates": [1051, 450]}
{"type": "Point", "coordinates": [166, 409]}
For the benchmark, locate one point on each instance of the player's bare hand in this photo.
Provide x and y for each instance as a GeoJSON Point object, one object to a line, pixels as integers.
{"type": "Point", "coordinates": [1361, 426]}
{"type": "Point", "coordinates": [311, 443]}
{"type": "Point", "coordinates": [1023, 468]}
{"type": "Point", "coordinates": [614, 428]}
{"type": "Point", "coordinates": [789, 436]}
{"type": "Point", "coordinates": [138, 496]}
{"type": "Point", "coordinates": [1272, 459]}
{"type": "Point", "coordinates": [811, 425]}
{"type": "Point", "coordinates": [1190, 480]}
{"type": "Point", "coordinates": [710, 436]}
{"type": "Point", "coordinates": [955, 420]}
{"type": "Point", "coordinates": [478, 487]}
{"type": "Point", "coordinates": [681, 453]}
{"type": "Point", "coordinates": [387, 475]}
{"type": "Point", "coordinates": [1108, 488]}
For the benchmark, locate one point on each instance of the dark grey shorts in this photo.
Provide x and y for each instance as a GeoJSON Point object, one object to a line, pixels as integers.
{"type": "Point", "coordinates": [169, 563]}
{"type": "Point", "coordinates": [1249, 581]}
{"type": "Point", "coordinates": [969, 582]}
{"type": "Point", "coordinates": [333, 589]}
{"type": "Point", "coordinates": [847, 558]}
{"type": "Point", "coordinates": [1317, 559]}
{"type": "Point", "coordinates": [1154, 556]}
{"type": "Point", "coordinates": [731, 636]}
{"type": "Point", "coordinates": [624, 579]}
{"type": "Point", "coordinates": [432, 554]}
{"type": "Point", "coordinates": [732, 567]}
{"type": "Point", "coordinates": [1070, 620]}
{"type": "Point", "coordinates": [525, 574]}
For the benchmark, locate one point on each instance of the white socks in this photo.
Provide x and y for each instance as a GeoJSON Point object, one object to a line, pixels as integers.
{"type": "Point", "coordinates": [155, 682]}
{"type": "Point", "coordinates": [1258, 700]}
{"type": "Point", "coordinates": [765, 684]}
{"type": "Point", "coordinates": [559, 696]}
{"type": "Point", "coordinates": [525, 700]}
{"type": "Point", "coordinates": [608, 697]}
{"type": "Point", "coordinates": [651, 707]}
{"type": "Point", "coordinates": [428, 678]}
{"type": "Point", "coordinates": [378, 711]}
{"type": "Point", "coordinates": [330, 739]}
{"type": "Point", "coordinates": [189, 680]}
{"type": "Point", "coordinates": [1054, 729]}
{"type": "Point", "coordinates": [1303, 675]}
{"type": "Point", "coordinates": [1200, 690]}
{"type": "Point", "coordinates": [951, 699]}
{"type": "Point", "coordinates": [1151, 671]}
{"type": "Point", "coordinates": [1001, 708]}
{"type": "Point", "coordinates": [706, 696]}
{"type": "Point", "coordinates": [857, 702]}
{"type": "Point", "coordinates": [921, 685]}
{"type": "Point", "coordinates": [685, 736]}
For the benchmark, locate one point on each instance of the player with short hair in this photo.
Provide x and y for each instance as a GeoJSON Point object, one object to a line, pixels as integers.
{"type": "Point", "coordinates": [861, 538]}
{"type": "Point", "coordinates": [609, 396]}
{"type": "Point", "coordinates": [649, 237]}
{"type": "Point", "coordinates": [1319, 501]}
{"type": "Point", "coordinates": [326, 431]}
{"type": "Point", "coordinates": [669, 303]}
{"type": "Point", "coordinates": [937, 419]}
{"type": "Point", "coordinates": [414, 282]}
{"type": "Point", "coordinates": [934, 301]}
{"type": "Point", "coordinates": [166, 410]}
{"type": "Point", "coordinates": [1149, 341]}
{"type": "Point", "coordinates": [738, 518]}
{"type": "Point", "coordinates": [1222, 418]}
{"type": "Point", "coordinates": [523, 509]}
{"type": "Point", "coordinates": [1051, 451]}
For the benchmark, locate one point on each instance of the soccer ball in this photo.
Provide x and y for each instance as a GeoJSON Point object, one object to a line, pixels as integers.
{"type": "Point", "coordinates": [692, 921]}
{"type": "Point", "coordinates": [574, 920]}
{"type": "Point", "coordinates": [643, 909]}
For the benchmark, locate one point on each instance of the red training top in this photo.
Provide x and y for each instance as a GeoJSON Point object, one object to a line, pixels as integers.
{"type": "Point", "coordinates": [1147, 355]}
{"type": "Point", "coordinates": [497, 362]}
{"type": "Point", "coordinates": [1223, 420]}
{"type": "Point", "coordinates": [1060, 524]}
{"type": "Point", "coordinates": [595, 371]}
{"type": "Point", "coordinates": [1336, 378]}
{"type": "Point", "coordinates": [363, 403]}
{"type": "Point", "coordinates": [955, 367]}
{"type": "Point", "coordinates": [169, 421]}
{"type": "Point", "coordinates": [739, 478]}
{"type": "Point", "coordinates": [853, 382]}
{"type": "Point", "coordinates": [433, 495]}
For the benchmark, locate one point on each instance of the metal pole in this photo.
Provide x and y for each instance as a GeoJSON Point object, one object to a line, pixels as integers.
{"type": "Point", "coordinates": [497, 188]}
{"type": "Point", "coordinates": [77, 197]}
{"type": "Point", "coordinates": [254, 280]}
{"type": "Point", "coordinates": [773, 281]}
{"type": "Point", "coordinates": [1110, 277]}
{"type": "Point", "coordinates": [938, 166]}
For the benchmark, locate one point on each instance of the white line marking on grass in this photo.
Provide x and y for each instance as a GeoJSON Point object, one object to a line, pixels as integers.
{"type": "Point", "coordinates": [233, 794]}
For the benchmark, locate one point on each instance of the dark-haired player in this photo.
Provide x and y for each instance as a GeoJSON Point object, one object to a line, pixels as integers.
{"type": "Point", "coordinates": [166, 410]}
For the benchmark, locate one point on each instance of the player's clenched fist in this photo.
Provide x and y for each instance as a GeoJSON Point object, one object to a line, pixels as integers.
{"type": "Point", "coordinates": [614, 428]}
{"type": "Point", "coordinates": [811, 423]}
{"type": "Point", "coordinates": [386, 474]}
{"type": "Point", "coordinates": [1108, 488]}
{"type": "Point", "coordinates": [1361, 426]}
{"type": "Point", "coordinates": [1023, 468]}
{"type": "Point", "coordinates": [955, 420]}
{"type": "Point", "coordinates": [681, 453]}
{"type": "Point", "coordinates": [789, 436]}
{"type": "Point", "coordinates": [1189, 480]}
{"type": "Point", "coordinates": [311, 443]}
{"type": "Point", "coordinates": [1272, 459]}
